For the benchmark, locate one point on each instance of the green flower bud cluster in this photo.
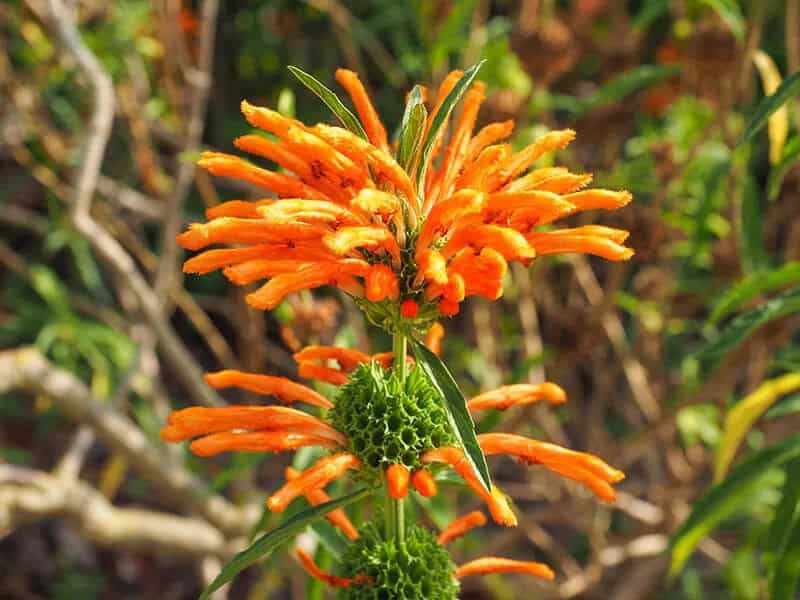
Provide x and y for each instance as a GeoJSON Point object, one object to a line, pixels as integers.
{"type": "Point", "coordinates": [390, 421]}
{"type": "Point", "coordinates": [419, 569]}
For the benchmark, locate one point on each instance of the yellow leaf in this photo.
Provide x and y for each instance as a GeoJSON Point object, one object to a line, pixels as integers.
{"type": "Point", "coordinates": [112, 475]}
{"type": "Point", "coordinates": [741, 417]}
{"type": "Point", "coordinates": [778, 124]}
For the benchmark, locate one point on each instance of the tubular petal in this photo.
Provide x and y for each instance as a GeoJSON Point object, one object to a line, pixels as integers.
{"type": "Point", "coordinates": [200, 420]}
{"type": "Point", "coordinates": [459, 527]}
{"type": "Point", "coordinates": [564, 184]}
{"type": "Point", "coordinates": [211, 260]}
{"type": "Point", "coordinates": [511, 244]}
{"type": "Point", "coordinates": [257, 441]}
{"type": "Point", "coordinates": [324, 471]}
{"type": "Point", "coordinates": [488, 135]}
{"type": "Point", "coordinates": [308, 211]}
{"type": "Point", "coordinates": [245, 209]}
{"type": "Point", "coordinates": [376, 132]}
{"type": "Point", "coordinates": [332, 580]}
{"type": "Point", "coordinates": [346, 239]}
{"type": "Point", "coordinates": [554, 243]}
{"type": "Point", "coordinates": [539, 207]}
{"type": "Point", "coordinates": [347, 358]}
{"type": "Point", "coordinates": [253, 270]}
{"type": "Point", "coordinates": [491, 564]}
{"type": "Point", "coordinates": [423, 482]}
{"type": "Point", "coordinates": [599, 487]}
{"type": "Point", "coordinates": [232, 230]}
{"type": "Point", "coordinates": [309, 370]}
{"type": "Point", "coordinates": [449, 308]}
{"type": "Point", "coordinates": [337, 518]}
{"type": "Point", "coordinates": [519, 394]}
{"type": "Point", "coordinates": [282, 388]}
{"type": "Point", "coordinates": [519, 162]}
{"type": "Point", "coordinates": [496, 500]}
{"type": "Point", "coordinates": [476, 172]}
{"type": "Point", "coordinates": [397, 478]}
{"type": "Point", "coordinates": [381, 283]}
{"type": "Point", "coordinates": [444, 215]}
{"type": "Point", "coordinates": [267, 119]}
{"type": "Point", "coordinates": [594, 199]}
{"type": "Point", "coordinates": [434, 337]}
{"type": "Point", "coordinates": [431, 266]}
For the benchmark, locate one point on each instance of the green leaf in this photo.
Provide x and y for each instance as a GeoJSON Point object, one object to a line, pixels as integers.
{"type": "Point", "coordinates": [782, 545]}
{"type": "Point", "coordinates": [790, 87]}
{"type": "Point", "coordinates": [755, 285]}
{"type": "Point", "coordinates": [412, 128]}
{"type": "Point", "coordinates": [651, 11]}
{"type": "Point", "coordinates": [456, 406]}
{"type": "Point", "coordinates": [330, 537]}
{"type": "Point", "coordinates": [729, 11]}
{"type": "Point", "coordinates": [754, 257]}
{"type": "Point", "coordinates": [727, 497]}
{"type": "Point", "coordinates": [746, 323]}
{"type": "Point", "coordinates": [268, 542]}
{"type": "Point", "coordinates": [441, 117]}
{"type": "Point", "coordinates": [329, 97]}
{"type": "Point", "coordinates": [790, 154]}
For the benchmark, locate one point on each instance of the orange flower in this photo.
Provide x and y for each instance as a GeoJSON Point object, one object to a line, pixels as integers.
{"type": "Point", "coordinates": [323, 472]}
{"type": "Point", "coordinates": [282, 388]}
{"type": "Point", "coordinates": [338, 518]}
{"type": "Point", "coordinates": [397, 478]}
{"type": "Point", "coordinates": [332, 580]}
{"type": "Point", "coordinates": [461, 526]}
{"type": "Point", "coordinates": [423, 482]}
{"type": "Point", "coordinates": [344, 197]}
{"type": "Point", "coordinates": [518, 395]}
{"type": "Point", "coordinates": [347, 358]}
{"type": "Point", "coordinates": [490, 564]}
{"type": "Point", "coordinates": [433, 340]}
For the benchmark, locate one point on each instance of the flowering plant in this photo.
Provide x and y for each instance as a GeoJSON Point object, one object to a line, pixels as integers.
{"type": "Point", "coordinates": [408, 229]}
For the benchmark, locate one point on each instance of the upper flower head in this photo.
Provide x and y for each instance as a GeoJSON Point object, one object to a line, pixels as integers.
{"type": "Point", "coordinates": [421, 225]}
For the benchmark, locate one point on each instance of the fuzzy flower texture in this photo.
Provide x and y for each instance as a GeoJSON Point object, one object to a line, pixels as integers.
{"type": "Point", "coordinates": [409, 236]}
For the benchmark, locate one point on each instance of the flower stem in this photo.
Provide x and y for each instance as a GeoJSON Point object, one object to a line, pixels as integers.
{"type": "Point", "coordinates": [395, 509]}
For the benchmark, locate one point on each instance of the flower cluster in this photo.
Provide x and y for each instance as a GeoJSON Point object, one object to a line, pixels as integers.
{"type": "Point", "coordinates": [409, 235]}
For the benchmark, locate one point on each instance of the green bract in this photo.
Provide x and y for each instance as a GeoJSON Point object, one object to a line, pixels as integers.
{"type": "Point", "coordinates": [419, 569]}
{"type": "Point", "coordinates": [389, 421]}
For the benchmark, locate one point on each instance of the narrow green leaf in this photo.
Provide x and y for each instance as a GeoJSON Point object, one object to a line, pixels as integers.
{"type": "Point", "coordinates": [456, 406]}
{"type": "Point", "coordinates": [755, 285]}
{"type": "Point", "coordinates": [412, 128]}
{"type": "Point", "coordinates": [751, 227]}
{"type": "Point", "coordinates": [649, 14]}
{"type": "Point", "coordinates": [329, 97]}
{"type": "Point", "coordinates": [727, 497]}
{"type": "Point", "coordinates": [268, 542]}
{"type": "Point", "coordinates": [746, 323]}
{"type": "Point", "coordinates": [782, 545]}
{"type": "Point", "coordinates": [784, 582]}
{"type": "Point", "coordinates": [330, 537]}
{"type": "Point", "coordinates": [441, 117]}
{"type": "Point", "coordinates": [790, 155]}
{"type": "Point", "coordinates": [790, 87]}
{"type": "Point", "coordinates": [625, 84]}
{"type": "Point", "coordinates": [729, 11]}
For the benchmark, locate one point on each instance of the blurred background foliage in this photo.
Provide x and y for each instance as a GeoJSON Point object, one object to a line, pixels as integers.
{"type": "Point", "coordinates": [681, 366]}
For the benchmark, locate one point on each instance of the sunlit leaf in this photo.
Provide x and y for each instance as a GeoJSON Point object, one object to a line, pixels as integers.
{"type": "Point", "coordinates": [269, 542]}
{"type": "Point", "coordinates": [456, 407]}
{"type": "Point", "coordinates": [412, 128]}
{"type": "Point", "coordinates": [329, 97]}
{"type": "Point", "coordinates": [753, 286]}
{"type": "Point", "coordinates": [728, 497]}
{"type": "Point", "coordinates": [789, 88]}
{"type": "Point", "coordinates": [789, 156]}
{"type": "Point", "coordinates": [778, 122]}
{"type": "Point", "coordinates": [741, 417]}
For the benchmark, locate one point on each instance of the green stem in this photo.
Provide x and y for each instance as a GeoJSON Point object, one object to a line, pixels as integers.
{"type": "Point", "coordinates": [395, 509]}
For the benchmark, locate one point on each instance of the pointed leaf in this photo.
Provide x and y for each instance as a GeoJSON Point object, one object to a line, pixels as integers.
{"type": "Point", "coordinates": [782, 544]}
{"type": "Point", "coordinates": [778, 122]}
{"type": "Point", "coordinates": [625, 84]}
{"type": "Point", "coordinates": [412, 128]}
{"type": "Point", "coordinates": [729, 11]}
{"type": "Point", "coordinates": [268, 542]}
{"type": "Point", "coordinates": [741, 417]}
{"type": "Point", "coordinates": [751, 229]}
{"type": "Point", "coordinates": [726, 498]}
{"type": "Point", "coordinates": [790, 155]}
{"type": "Point", "coordinates": [789, 88]}
{"type": "Point", "coordinates": [755, 285]}
{"type": "Point", "coordinates": [440, 118]}
{"type": "Point", "coordinates": [456, 407]}
{"type": "Point", "coordinates": [329, 97]}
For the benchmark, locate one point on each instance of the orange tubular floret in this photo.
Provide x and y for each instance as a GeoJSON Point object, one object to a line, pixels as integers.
{"type": "Point", "coordinates": [519, 162]}
{"type": "Point", "coordinates": [245, 209]}
{"type": "Point", "coordinates": [476, 172]}
{"type": "Point", "coordinates": [461, 526]}
{"type": "Point", "coordinates": [381, 283]}
{"type": "Point", "coordinates": [337, 518]}
{"type": "Point", "coordinates": [491, 564]}
{"type": "Point", "coordinates": [496, 500]}
{"type": "Point", "coordinates": [552, 242]}
{"type": "Point", "coordinates": [444, 215]}
{"type": "Point", "coordinates": [455, 289]}
{"type": "Point", "coordinates": [332, 580]}
{"type": "Point", "coordinates": [347, 358]}
{"type": "Point", "coordinates": [599, 487]}
{"type": "Point", "coordinates": [511, 244]}
{"type": "Point", "coordinates": [447, 86]}
{"type": "Point", "coordinates": [375, 202]}
{"type": "Point", "coordinates": [490, 134]}
{"type": "Point", "coordinates": [539, 207]}
{"type": "Point", "coordinates": [267, 119]}
{"type": "Point", "coordinates": [336, 273]}
{"type": "Point", "coordinates": [482, 274]}
{"type": "Point", "coordinates": [211, 260]}
{"type": "Point", "coordinates": [434, 337]}
{"type": "Point", "coordinates": [346, 239]}
{"type": "Point", "coordinates": [565, 183]}
{"type": "Point", "coordinates": [226, 165]}
{"type": "Point", "coordinates": [309, 370]}
{"type": "Point", "coordinates": [449, 308]}
{"type": "Point", "coordinates": [282, 388]}
{"type": "Point", "coordinates": [531, 180]}
{"type": "Point", "coordinates": [257, 441]}
{"type": "Point", "coordinates": [518, 395]}
{"type": "Point", "coordinates": [232, 230]}
{"type": "Point", "coordinates": [253, 270]}
{"type": "Point", "coordinates": [324, 471]}
{"type": "Point", "coordinates": [431, 266]}
{"type": "Point", "coordinates": [323, 157]}
{"type": "Point", "coordinates": [274, 151]}
{"type": "Point", "coordinates": [308, 211]}
{"type": "Point", "coordinates": [200, 420]}
{"type": "Point", "coordinates": [424, 483]}
{"type": "Point", "coordinates": [397, 478]}
{"type": "Point", "coordinates": [595, 199]}
{"type": "Point", "coordinates": [376, 132]}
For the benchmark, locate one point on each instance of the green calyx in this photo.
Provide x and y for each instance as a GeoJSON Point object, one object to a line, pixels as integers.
{"type": "Point", "coordinates": [389, 421]}
{"type": "Point", "coordinates": [419, 569]}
